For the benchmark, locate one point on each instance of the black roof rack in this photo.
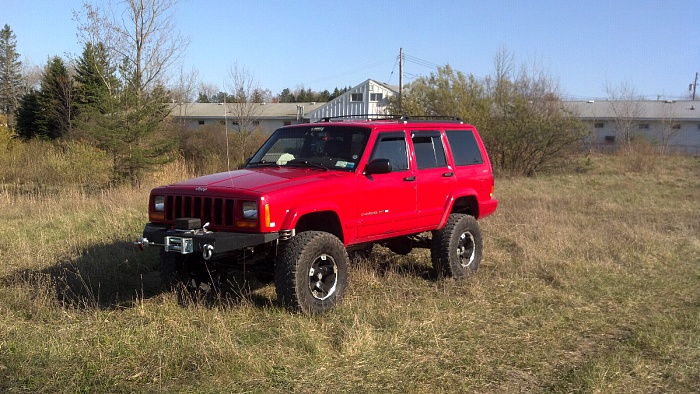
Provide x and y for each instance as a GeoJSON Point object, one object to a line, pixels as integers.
{"type": "Point", "coordinates": [400, 118]}
{"type": "Point", "coordinates": [429, 118]}
{"type": "Point", "coordinates": [372, 117]}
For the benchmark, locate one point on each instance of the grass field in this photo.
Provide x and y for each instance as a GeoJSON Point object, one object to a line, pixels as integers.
{"type": "Point", "coordinates": [590, 282]}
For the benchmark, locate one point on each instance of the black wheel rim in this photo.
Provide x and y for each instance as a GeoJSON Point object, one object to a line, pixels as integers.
{"type": "Point", "coordinates": [323, 277]}
{"type": "Point", "coordinates": [466, 249]}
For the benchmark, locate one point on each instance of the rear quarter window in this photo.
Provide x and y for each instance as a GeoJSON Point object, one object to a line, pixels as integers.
{"type": "Point", "coordinates": [465, 149]}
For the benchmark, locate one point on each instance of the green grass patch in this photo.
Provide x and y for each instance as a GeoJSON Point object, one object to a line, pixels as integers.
{"type": "Point", "coordinates": [590, 282]}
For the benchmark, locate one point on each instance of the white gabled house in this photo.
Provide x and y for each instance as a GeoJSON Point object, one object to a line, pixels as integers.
{"type": "Point", "coordinates": [368, 98]}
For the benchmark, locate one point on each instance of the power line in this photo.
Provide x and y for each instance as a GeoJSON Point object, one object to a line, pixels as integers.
{"type": "Point", "coordinates": [421, 62]}
{"type": "Point", "coordinates": [393, 68]}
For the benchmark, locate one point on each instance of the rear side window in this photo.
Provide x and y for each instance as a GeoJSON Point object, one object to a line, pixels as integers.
{"type": "Point", "coordinates": [392, 146]}
{"type": "Point", "coordinates": [429, 150]}
{"type": "Point", "coordinates": [465, 150]}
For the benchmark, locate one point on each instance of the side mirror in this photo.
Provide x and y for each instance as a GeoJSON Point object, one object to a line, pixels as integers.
{"type": "Point", "coordinates": [378, 166]}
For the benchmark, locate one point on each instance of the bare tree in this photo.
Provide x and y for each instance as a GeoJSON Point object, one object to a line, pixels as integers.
{"type": "Point", "coordinates": [624, 101]}
{"type": "Point", "coordinates": [31, 75]}
{"type": "Point", "coordinates": [207, 91]}
{"type": "Point", "coordinates": [244, 110]}
{"type": "Point", "coordinates": [183, 93]}
{"type": "Point", "coordinates": [141, 37]}
{"type": "Point", "coordinates": [670, 127]}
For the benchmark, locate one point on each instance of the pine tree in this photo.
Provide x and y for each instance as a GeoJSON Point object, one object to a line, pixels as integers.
{"type": "Point", "coordinates": [10, 76]}
{"type": "Point", "coordinates": [96, 81]}
{"type": "Point", "coordinates": [30, 122]}
{"type": "Point", "coordinates": [56, 99]}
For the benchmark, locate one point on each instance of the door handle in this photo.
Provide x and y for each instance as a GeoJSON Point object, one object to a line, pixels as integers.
{"type": "Point", "coordinates": [410, 178]}
{"type": "Point", "coordinates": [448, 174]}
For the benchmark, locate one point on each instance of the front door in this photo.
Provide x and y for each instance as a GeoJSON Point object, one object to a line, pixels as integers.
{"type": "Point", "coordinates": [387, 202]}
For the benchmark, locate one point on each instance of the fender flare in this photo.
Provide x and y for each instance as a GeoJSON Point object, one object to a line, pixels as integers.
{"type": "Point", "coordinates": [291, 218]}
{"type": "Point", "coordinates": [449, 204]}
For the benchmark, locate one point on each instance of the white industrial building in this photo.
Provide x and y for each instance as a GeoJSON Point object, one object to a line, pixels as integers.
{"type": "Point", "coordinates": [675, 125]}
{"type": "Point", "coordinates": [263, 116]}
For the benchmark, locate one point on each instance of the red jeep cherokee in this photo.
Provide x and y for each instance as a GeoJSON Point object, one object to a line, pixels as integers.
{"type": "Point", "coordinates": [315, 191]}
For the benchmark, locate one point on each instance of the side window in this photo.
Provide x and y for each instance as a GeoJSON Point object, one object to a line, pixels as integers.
{"type": "Point", "coordinates": [465, 150]}
{"type": "Point", "coordinates": [429, 150]}
{"type": "Point", "coordinates": [392, 146]}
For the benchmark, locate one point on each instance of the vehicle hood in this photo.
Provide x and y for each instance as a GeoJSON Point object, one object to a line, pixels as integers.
{"type": "Point", "coordinates": [260, 180]}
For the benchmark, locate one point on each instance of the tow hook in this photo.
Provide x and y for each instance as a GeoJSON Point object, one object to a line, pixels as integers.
{"type": "Point", "coordinates": [207, 251]}
{"type": "Point", "coordinates": [141, 242]}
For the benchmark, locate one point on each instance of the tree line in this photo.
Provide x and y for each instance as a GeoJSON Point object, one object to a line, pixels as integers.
{"type": "Point", "coordinates": [519, 113]}
{"type": "Point", "coordinates": [116, 96]}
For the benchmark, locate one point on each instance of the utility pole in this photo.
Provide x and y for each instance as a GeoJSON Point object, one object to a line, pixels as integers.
{"type": "Point", "coordinates": [695, 85]}
{"type": "Point", "coordinates": [401, 79]}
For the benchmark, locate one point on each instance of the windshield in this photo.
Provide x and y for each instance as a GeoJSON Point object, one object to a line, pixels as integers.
{"type": "Point", "coordinates": [328, 147]}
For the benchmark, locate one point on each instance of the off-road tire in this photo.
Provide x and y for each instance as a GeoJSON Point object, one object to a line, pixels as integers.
{"type": "Point", "coordinates": [311, 273]}
{"type": "Point", "coordinates": [456, 248]}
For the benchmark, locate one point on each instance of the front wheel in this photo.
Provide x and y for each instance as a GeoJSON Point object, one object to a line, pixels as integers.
{"type": "Point", "coordinates": [311, 274]}
{"type": "Point", "coordinates": [456, 249]}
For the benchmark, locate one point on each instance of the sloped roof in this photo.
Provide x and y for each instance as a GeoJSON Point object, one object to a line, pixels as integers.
{"type": "Point", "coordinates": [218, 110]}
{"type": "Point", "coordinates": [685, 110]}
{"type": "Point", "coordinates": [393, 88]}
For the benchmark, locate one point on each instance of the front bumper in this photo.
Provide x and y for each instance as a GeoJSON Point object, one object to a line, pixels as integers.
{"type": "Point", "coordinates": [197, 241]}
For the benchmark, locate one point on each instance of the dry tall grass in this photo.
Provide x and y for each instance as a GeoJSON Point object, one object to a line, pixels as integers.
{"type": "Point", "coordinates": [590, 283]}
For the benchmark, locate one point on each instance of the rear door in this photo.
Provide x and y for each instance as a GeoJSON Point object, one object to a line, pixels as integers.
{"type": "Point", "coordinates": [472, 167]}
{"type": "Point", "coordinates": [435, 179]}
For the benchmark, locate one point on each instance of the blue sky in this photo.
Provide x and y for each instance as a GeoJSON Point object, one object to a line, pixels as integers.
{"type": "Point", "coordinates": [653, 46]}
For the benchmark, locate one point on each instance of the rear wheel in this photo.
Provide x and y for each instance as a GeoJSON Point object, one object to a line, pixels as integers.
{"type": "Point", "coordinates": [311, 274]}
{"type": "Point", "coordinates": [456, 249]}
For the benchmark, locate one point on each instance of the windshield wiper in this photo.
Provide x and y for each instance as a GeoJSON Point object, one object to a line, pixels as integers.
{"type": "Point", "coordinates": [305, 163]}
{"type": "Point", "coordinates": [263, 163]}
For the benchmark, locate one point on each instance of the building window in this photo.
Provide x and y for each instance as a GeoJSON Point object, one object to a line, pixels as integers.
{"type": "Point", "coordinates": [287, 123]}
{"type": "Point", "coordinates": [201, 122]}
{"type": "Point", "coordinates": [644, 126]}
{"type": "Point", "coordinates": [610, 138]}
{"type": "Point", "coordinates": [355, 97]}
{"type": "Point", "coordinates": [599, 125]}
{"type": "Point", "coordinates": [221, 122]}
{"type": "Point", "coordinates": [676, 126]}
{"type": "Point", "coordinates": [376, 96]}
{"type": "Point", "coordinates": [256, 123]}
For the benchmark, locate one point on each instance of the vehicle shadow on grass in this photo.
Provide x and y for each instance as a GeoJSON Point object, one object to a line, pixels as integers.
{"type": "Point", "coordinates": [384, 263]}
{"type": "Point", "coordinates": [119, 275]}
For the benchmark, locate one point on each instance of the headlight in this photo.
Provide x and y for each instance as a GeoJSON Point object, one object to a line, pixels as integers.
{"type": "Point", "coordinates": [159, 203]}
{"type": "Point", "coordinates": [250, 210]}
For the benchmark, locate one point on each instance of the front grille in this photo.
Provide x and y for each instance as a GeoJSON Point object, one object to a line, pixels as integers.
{"type": "Point", "coordinates": [217, 211]}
